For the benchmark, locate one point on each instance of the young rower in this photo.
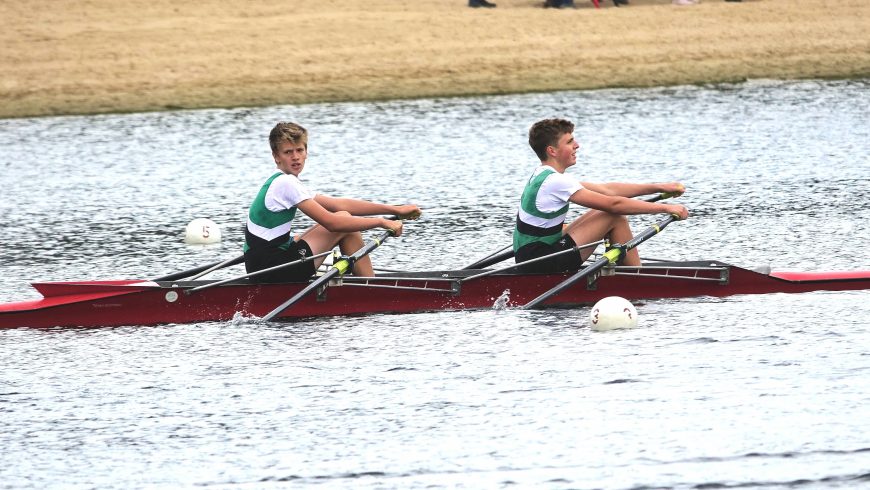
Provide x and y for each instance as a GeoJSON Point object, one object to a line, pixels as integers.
{"type": "Point", "coordinates": [268, 238]}
{"type": "Point", "coordinates": [540, 228]}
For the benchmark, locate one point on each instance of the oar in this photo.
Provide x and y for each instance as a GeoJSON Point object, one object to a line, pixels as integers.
{"type": "Point", "coordinates": [543, 258]}
{"type": "Point", "coordinates": [201, 269]}
{"type": "Point", "coordinates": [257, 273]}
{"type": "Point", "coordinates": [338, 268]}
{"type": "Point", "coordinates": [493, 258]}
{"type": "Point", "coordinates": [609, 257]}
{"type": "Point", "coordinates": [507, 252]}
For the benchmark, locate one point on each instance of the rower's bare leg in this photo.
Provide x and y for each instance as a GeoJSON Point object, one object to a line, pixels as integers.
{"type": "Point", "coordinates": [350, 244]}
{"type": "Point", "coordinates": [595, 225]}
{"type": "Point", "coordinates": [320, 240]}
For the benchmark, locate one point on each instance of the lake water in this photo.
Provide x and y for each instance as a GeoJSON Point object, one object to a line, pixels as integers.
{"type": "Point", "coordinates": [743, 392]}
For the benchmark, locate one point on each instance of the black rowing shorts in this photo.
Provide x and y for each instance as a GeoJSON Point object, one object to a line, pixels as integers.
{"type": "Point", "coordinates": [264, 257]}
{"type": "Point", "coordinates": [567, 262]}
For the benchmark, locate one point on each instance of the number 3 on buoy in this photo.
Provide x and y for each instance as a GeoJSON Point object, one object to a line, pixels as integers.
{"type": "Point", "coordinates": [611, 313]}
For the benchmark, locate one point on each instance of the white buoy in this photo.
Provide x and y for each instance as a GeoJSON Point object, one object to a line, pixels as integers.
{"type": "Point", "coordinates": [611, 313]}
{"type": "Point", "coordinates": [202, 231]}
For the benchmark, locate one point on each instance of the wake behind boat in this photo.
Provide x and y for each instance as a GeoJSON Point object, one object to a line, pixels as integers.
{"type": "Point", "coordinates": [132, 302]}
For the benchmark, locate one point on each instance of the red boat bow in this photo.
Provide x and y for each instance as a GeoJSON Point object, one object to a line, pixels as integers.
{"type": "Point", "coordinates": [821, 276]}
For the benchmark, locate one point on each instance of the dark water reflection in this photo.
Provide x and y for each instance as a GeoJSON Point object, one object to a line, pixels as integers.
{"type": "Point", "coordinates": [768, 391]}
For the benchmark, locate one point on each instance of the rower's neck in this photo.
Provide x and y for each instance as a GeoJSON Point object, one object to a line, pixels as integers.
{"type": "Point", "coordinates": [555, 166]}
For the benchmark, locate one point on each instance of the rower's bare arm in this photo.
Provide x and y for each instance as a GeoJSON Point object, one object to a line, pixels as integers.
{"type": "Point", "coordinates": [360, 207]}
{"type": "Point", "coordinates": [626, 189]}
{"type": "Point", "coordinates": [674, 189]}
{"type": "Point", "coordinates": [343, 223]}
{"type": "Point", "coordinates": [587, 197]}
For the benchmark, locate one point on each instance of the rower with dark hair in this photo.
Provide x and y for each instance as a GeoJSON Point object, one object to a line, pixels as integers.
{"type": "Point", "coordinates": [540, 226]}
{"type": "Point", "coordinates": [269, 240]}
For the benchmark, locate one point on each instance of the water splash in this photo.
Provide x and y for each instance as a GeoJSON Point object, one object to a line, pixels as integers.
{"type": "Point", "coordinates": [501, 302]}
{"type": "Point", "coordinates": [240, 318]}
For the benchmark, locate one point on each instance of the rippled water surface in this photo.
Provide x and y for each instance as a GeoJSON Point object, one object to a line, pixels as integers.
{"type": "Point", "coordinates": [749, 391]}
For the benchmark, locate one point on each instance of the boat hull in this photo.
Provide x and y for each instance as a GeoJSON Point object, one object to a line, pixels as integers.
{"type": "Point", "coordinates": [116, 303]}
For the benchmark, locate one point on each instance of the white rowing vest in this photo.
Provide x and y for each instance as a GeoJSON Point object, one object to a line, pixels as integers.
{"type": "Point", "coordinates": [271, 213]}
{"type": "Point", "coordinates": [543, 207]}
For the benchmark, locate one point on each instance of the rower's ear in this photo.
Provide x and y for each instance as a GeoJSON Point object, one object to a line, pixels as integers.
{"type": "Point", "coordinates": [551, 151]}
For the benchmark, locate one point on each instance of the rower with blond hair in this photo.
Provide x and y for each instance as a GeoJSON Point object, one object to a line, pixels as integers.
{"type": "Point", "coordinates": [269, 237]}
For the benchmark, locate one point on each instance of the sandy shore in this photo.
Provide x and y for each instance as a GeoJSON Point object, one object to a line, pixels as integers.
{"type": "Point", "coordinates": [95, 56]}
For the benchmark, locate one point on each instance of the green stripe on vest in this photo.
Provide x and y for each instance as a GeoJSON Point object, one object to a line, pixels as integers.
{"type": "Point", "coordinates": [260, 215]}
{"type": "Point", "coordinates": [530, 194]}
{"type": "Point", "coordinates": [521, 239]}
{"type": "Point", "coordinates": [527, 203]}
